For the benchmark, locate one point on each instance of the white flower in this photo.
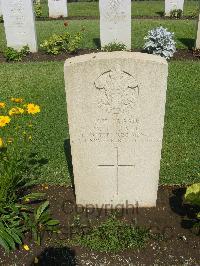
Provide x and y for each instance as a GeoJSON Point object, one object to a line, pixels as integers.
{"type": "Point", "coordinates": [159, 41]}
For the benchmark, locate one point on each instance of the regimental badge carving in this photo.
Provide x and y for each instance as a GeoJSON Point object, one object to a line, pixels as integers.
{"type": "Point", "coordinates": [118, 107]}
{"type": "Point", "coordinates": [114, 10]}
{"type": "Point", "coordinates": [119, 91]}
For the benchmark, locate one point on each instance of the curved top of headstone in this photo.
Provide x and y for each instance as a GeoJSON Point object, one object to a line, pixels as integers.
{"type": "Point", "coordinates": [115, 55]}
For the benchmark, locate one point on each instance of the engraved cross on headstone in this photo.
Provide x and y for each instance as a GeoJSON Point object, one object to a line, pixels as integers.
{"type": "Point", "coordinates": [117, 165]}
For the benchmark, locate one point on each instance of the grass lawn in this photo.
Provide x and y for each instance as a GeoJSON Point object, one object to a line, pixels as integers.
{"type": "Point", "coordinates": [185, 31]}
{"type": "Point", "coordinates": [143, 8]}
{"type": "Point", "coordinates": [43, 83]}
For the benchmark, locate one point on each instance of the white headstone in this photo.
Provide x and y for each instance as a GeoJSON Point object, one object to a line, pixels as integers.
{"type": "Point", "coordinates": [57, 8]}
{"type": "Point", "coordinates": [1, 14]}
{"type": "Point", "coordinates": [115, 22]}
{"type": "Point", "coordinates": [198, 35]}
{"type": "Point", "coordinates": [19, 23]}
{"type": "Point", "coordinates": [116, 107]}
{"type": "Point", "coordinates": [172, 5]}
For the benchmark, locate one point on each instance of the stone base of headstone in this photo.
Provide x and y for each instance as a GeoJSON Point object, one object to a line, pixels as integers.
{"type": "Point", "coordinates": [171, 5]}
{"type": "Point", "coordinates": [116, 107]}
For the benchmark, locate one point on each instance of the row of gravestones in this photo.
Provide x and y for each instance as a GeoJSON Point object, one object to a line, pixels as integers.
{"type": "Point", "coordinates": [58, 8]}
{"type": "Point", "coordinates": [115, 23]}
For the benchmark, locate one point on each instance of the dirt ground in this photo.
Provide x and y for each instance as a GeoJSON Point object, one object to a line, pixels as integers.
{"type": "Point", "coordinates": [179, 243]}
{"type": "Point", "coordinates": [41, 56]}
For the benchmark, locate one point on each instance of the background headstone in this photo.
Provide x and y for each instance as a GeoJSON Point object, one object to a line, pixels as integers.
{"type": "Point", "coordinates": [198, 35]}
{"type": "Point", "coordinates": [172, 5]}
{"type": "Point", "coordinates": [19, 23]}
{"type": "Point", "coordinates": [57, 8]}
{"type": "Point", "coordinates": [116, 107]}
{"type": "Point", "coordinates": [115, 22]}
{"type": "Point", "coordinates": [1, 14]}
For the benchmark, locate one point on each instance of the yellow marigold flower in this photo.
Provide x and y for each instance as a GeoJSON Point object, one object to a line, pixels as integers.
{"type": "Point", "coordinates": [16, 100]}
{"type": "Point", "coordinates": [1, 143]}
{"type": "Point", "coordinates": [4, 120]}
{"type": "Point", "coordinates": [16, 111]}
{"type": "Point", "coordinates": [2, 105]}
{"type": "Point", "coordinates": [26, 247]}
{"type": "Point", "coordinates": [33, 108]}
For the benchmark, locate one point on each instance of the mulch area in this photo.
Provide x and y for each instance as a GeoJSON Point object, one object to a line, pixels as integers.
{"type": "Point", "coordinates": [179, 244]}
{"type": "Point", "coordinates": [41, 56]}
{"type": "Point", "coordinates": [97, 18]}
{"type": "Point", "coordinates": [161, 17]}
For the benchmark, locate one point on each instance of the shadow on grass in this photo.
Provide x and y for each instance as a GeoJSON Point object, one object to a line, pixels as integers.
{"type": "Point", "coordinates": [190, 43]}
{"type": "Point", "coordinates": [186, 211]}
{"type": "Point", "coordinates": [68, 156]}
{"type": "Point", "coordinates": [29, 170]}
{"type": "Point", "coordinates": [32, 163]}
{"type": "Point", "coordinates": [56, 257]}
{"type": "Point", "coordinates": [33, 166]}
{"type": "Point", "coordinates": [97, 43]}
{"type": "Point", "coordinates": [34, 160]}
{"type": "Point", "coordinates": [161, 13]}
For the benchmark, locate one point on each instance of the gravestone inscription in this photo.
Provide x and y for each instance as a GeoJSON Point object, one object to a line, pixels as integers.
{"type": "Point", "coordinates": [57, 8]}
{"type": "Point", "coordinates": [171, 5]}
{"type": "Point", "coordinates": [19, 23]}
{"type": "Point", "coordinates": [115, 22]}
{"type": "Point", "coordinates": [1, 13]}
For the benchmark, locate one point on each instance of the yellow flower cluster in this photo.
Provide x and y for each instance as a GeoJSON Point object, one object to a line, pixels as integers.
{"type": "Point", "coordinates": [16, 100]}
{"type": "Point", "coordinates": [7, 115]}
{"type": "Point", "coordinates": [33, 108]}
{"type": "Point", "coordinates": [1, 143]}
{"type": "Point", "coordinates": [16, 111]}
{"type": "Point", "coordinates": [2, 105]}
{"type": "Point", "coordinates": [29, 108]}
{"type": "Point", "coordinates": [4, 120]}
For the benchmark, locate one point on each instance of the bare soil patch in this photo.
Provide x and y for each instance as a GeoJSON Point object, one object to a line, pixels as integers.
{"type": "Point", "coordinates": [178, 243]}
{"type": "Point", "coordinates": [41, 56]}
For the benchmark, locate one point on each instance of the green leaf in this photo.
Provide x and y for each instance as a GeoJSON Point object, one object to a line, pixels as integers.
{"type": "Point", "coordinates": [24, 207]}
{"type": "Point", "coordinates": [53, 222]}
{"type": "Point", "coordinates": [40, 209]}
{"type": "Point", "coordinates": [14, 235]}
{"type": "Point", "coordinates": [4, 244]}
{"type": "Point", "coordinates": [7, 238]}
{"type": "Point", "coordinates": [34, 196]}
{"type": "Point", "coordinates": [45, 217]}
{"type": "Point", "coordinates": [192, 194]}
